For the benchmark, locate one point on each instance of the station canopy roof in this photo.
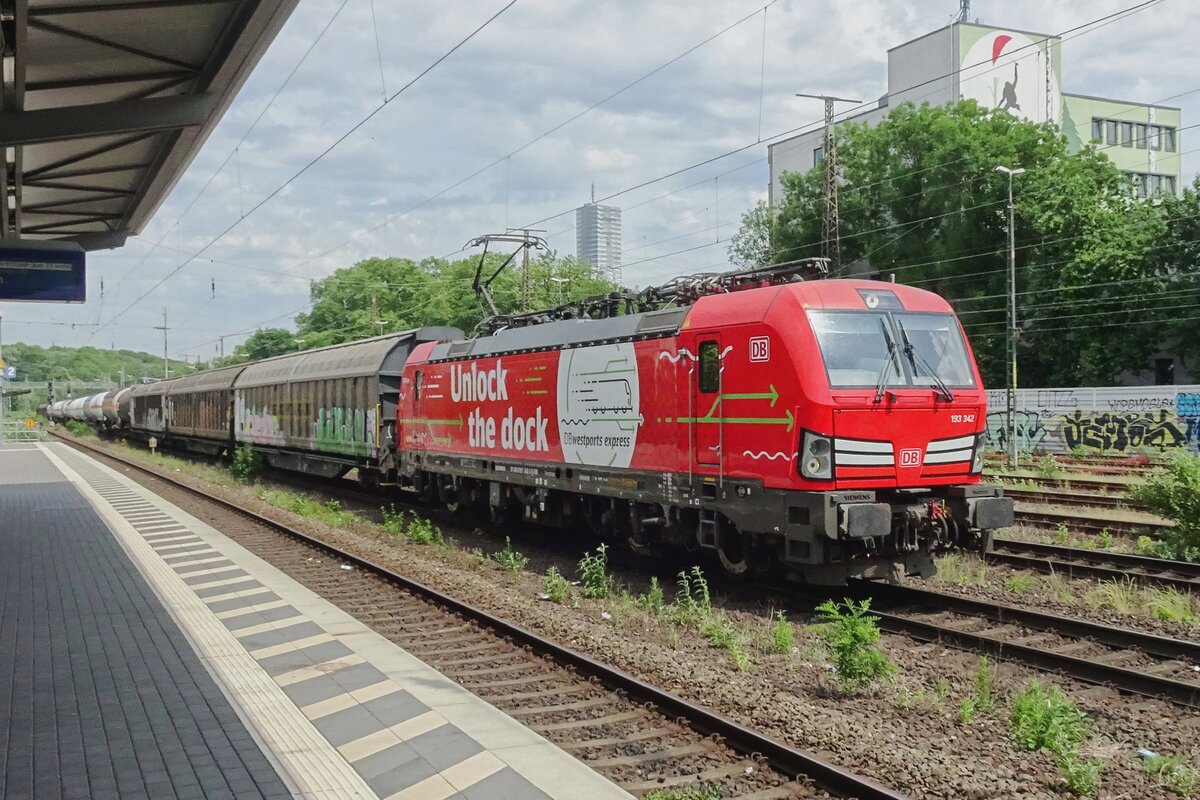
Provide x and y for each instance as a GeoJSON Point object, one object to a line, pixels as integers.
{"type": "Point", "coordinates": [104, 103]}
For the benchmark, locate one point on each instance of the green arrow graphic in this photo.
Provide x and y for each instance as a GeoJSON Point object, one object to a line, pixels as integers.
{"type": "Point", "coordinates": [457, 423]}
{"type": "Point", "coordinates": [787, 419]}
{"type": "Point", "coordinates": [772, 395]}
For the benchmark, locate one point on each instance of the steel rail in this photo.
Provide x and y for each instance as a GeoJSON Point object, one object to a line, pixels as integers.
{"type": "Point", "coordinates": [1095, 672]}
{"type": "Point", "coordinates": [786, 759]}
{"type": "Point", "coordinates": [1061, 498]}
{"type": "Point", "coordinates": [1083, 563]}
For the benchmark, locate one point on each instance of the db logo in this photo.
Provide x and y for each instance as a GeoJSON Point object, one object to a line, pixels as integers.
{"type": "Point", "coordinates": [760, 349]}
{"type": "Point", "coordinates": [910, 458]}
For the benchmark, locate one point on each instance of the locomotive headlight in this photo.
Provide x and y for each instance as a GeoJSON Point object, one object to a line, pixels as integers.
{"type": "Point", "coordinates": [815, 460]}
{"type": "Point", "coordinates": [977, 461]}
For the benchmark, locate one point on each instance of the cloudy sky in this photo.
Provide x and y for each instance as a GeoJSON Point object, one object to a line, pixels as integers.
{"type": "Point", "coordinates": [468, 149]}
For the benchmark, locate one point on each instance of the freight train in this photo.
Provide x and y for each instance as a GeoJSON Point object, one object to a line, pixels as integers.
{"type": "Point", "coordinates": [830, 429]}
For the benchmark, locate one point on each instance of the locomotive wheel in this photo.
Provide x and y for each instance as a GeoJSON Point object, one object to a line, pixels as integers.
{"type": "Point", "coordinates": [735, 554]}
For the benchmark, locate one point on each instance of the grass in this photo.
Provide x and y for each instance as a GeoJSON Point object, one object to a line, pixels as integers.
{"type": "Point", "coordinates": [1020, 582]}
{"type": "Point", "coordinates": [1058, 587]}
{"type": "Point", "coordinates": [1158, 602]}
{"type": "Point", "coordinates": [1121, 596]}
{"type": "Point", "coordinates": [704, 791]}
{"type": "Point", "coordinates": [965, 569]}
{"type": "Point", "coordinates": [329, 512]}
{"type": "Point", "coordinates": [724, 633]}
{"type": "Point", "coordinates": [1175, 773]}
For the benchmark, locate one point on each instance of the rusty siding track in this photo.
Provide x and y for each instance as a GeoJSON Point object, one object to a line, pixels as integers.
{"type": "Point", "coordinates": [1082, 563]}
{"type": "Point", "coordinates": [785, 759]}
{"type": "Point", "coordinates": [941, 620]}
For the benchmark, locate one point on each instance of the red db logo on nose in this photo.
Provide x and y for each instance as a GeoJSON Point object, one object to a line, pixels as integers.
{"type": "Point", "coordinates": [910, 458]}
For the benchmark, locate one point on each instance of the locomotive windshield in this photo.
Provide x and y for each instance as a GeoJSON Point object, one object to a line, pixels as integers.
{"type": "Point", "coordinates": [854, 345]}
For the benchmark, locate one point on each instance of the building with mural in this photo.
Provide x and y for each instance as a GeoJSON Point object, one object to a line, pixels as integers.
{"type": "Point", "coordinates": [1019, 72]}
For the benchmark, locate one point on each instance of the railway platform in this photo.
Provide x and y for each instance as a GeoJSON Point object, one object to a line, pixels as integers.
{"type": "Point", "coordinates": [145, 654]}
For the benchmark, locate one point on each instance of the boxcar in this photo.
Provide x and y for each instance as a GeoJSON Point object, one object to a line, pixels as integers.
{"type": "Point", "coordinates": [147, 408]}
{"type": "Point", "coordinates": [329, 410]}
{"type": "Point", "coordinates": [200, 410]}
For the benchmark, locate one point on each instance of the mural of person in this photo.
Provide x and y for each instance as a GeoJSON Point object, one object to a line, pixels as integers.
{"type": "Point", "coordinates": [1008, 98]}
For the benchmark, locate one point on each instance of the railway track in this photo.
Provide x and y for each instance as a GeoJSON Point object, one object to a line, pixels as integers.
{"type": "Point", "coordinates": [1049, 519]}
{"type": "Point", "coordinates": [1068, 483]}
{"type": "Point", "coordinates": [1072, 498]}
{"type": "Point", "coordinates": [1081, 563]}
{"type": "Point", "coordinates": [634, 733]}
{"type": "Point", "coordinates": [1129, 661]}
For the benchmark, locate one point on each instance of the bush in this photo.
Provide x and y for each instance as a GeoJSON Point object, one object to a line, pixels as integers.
{"type": "Point", "coordinates": [1175, 493]}
{"type": "Point", "coordinates": [246, 464]}
{"type": "Point", "coordinates": [555, 586]}
{"type": "Point", "coordinates": [593, 573]}
{"type": "Point", "coordinates": [852, 635]}
{"type": "Point", "coordinates": [510, 559]}
{"type": "Point", "coordinates": [81, 429]}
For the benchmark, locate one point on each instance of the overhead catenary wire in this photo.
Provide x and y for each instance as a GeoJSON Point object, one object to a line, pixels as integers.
{"type": "Point", "coordinates": [314, 160]}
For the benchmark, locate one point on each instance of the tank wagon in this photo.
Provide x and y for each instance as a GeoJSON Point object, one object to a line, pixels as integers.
{"type": "Point", "coordinates": [833, 427]}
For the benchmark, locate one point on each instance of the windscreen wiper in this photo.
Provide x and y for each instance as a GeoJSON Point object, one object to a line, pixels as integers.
{"type": "Point", "coordinates": [881, 382]}
{"type": "Point", "coordinates": [914, 357]}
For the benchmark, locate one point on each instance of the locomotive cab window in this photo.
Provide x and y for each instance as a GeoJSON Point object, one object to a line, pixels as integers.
{"type": "Point", "coordinates": [710, 368]}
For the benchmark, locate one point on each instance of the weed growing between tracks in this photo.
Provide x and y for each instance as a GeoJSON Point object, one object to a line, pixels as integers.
{"type": "Point", "coordinates": [511, 559]}
{"type": "Point", "coordinates": [852, 636]}
{"type": "Point", "coordinates": [593, 574]}
{"type": "Point", "coordinates": [1175, 773]}
{"type": "Point", "coordinates": [1044, 719]}
{"type": "Point", "coordinates": [705, 791]}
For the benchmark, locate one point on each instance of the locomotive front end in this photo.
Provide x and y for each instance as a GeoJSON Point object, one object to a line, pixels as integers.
{"type": "Point", "coordinates": [891, 443]}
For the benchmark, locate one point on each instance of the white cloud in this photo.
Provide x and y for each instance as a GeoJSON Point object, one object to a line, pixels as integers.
{"type": "Point", "coordinates": [536, 66]}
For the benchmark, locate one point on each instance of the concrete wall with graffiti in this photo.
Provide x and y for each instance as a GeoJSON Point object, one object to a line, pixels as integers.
{"type": "Point", "coordinates": [1122, 420]}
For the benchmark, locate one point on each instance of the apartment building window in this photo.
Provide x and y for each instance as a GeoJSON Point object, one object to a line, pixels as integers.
{"type": "Point", "coordinates": [1155, 184]}
{"type": "Point", "coordinates": [818, 155]}
{"type": "Point", "coordinates": [1111, 129]}
{"type": "Point", "coordinates": [1168, 138]}
{"type": "Point", "coordinates": [1127, 134]}
{"type": "Point", "coordinates": [1097, 129]}
{"type": "Point", "coordinates": [1141, 136]}
{"type": "Point", "coordinates": [1155, 143]}
{"type": "Point", "coordinates": [1168, 184]}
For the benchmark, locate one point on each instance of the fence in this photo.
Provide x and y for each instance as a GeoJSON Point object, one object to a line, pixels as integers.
{"type": "Point", "coordinates": [18, 430]}
{"type": "Point", "coordinates": [1120, 420]}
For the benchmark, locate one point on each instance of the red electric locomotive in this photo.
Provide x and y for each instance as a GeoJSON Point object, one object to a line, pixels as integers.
{"type": "Point", "coordinates": [834, 427]}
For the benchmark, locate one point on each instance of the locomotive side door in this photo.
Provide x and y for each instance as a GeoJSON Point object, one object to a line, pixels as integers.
{"type": "Point", "coordinates": [705, 392]}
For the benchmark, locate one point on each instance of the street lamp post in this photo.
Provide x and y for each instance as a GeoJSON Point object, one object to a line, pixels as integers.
{"type": "Point", "coordinates": [1012, 320]}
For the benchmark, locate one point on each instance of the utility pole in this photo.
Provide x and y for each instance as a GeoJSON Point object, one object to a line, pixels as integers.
{"type": "Point", "coordinates": [1013, 332]}
{"type": "Point", "coordinates": [831, 240]}
{"type": "Point", "coordinates": [964, 10]}
{"type": "Point", "coordinates": [164, 329]}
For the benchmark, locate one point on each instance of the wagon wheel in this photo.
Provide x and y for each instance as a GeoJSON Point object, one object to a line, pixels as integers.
{"type": "Point", "coordinates": [735, 552]}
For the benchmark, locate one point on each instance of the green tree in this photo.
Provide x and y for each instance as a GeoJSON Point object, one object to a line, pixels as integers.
{"type": "Point", "coordinates": [921, 199]}
{"type": "Point", "coordinates": [751, 246]}
{"type": "Point", "coordinates": [266, 343]}
{"type": "Point", "coordinates": [381, 295]}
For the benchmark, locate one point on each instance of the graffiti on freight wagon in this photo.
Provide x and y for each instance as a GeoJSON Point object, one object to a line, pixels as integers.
{"type": "Point", "coordinates": [1105, 421]}
{"type": "Point", "coordinates": [345, 430]}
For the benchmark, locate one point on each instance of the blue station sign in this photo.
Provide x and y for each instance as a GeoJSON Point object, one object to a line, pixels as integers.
{"type": "Point", "coordinates": [52, 273]}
